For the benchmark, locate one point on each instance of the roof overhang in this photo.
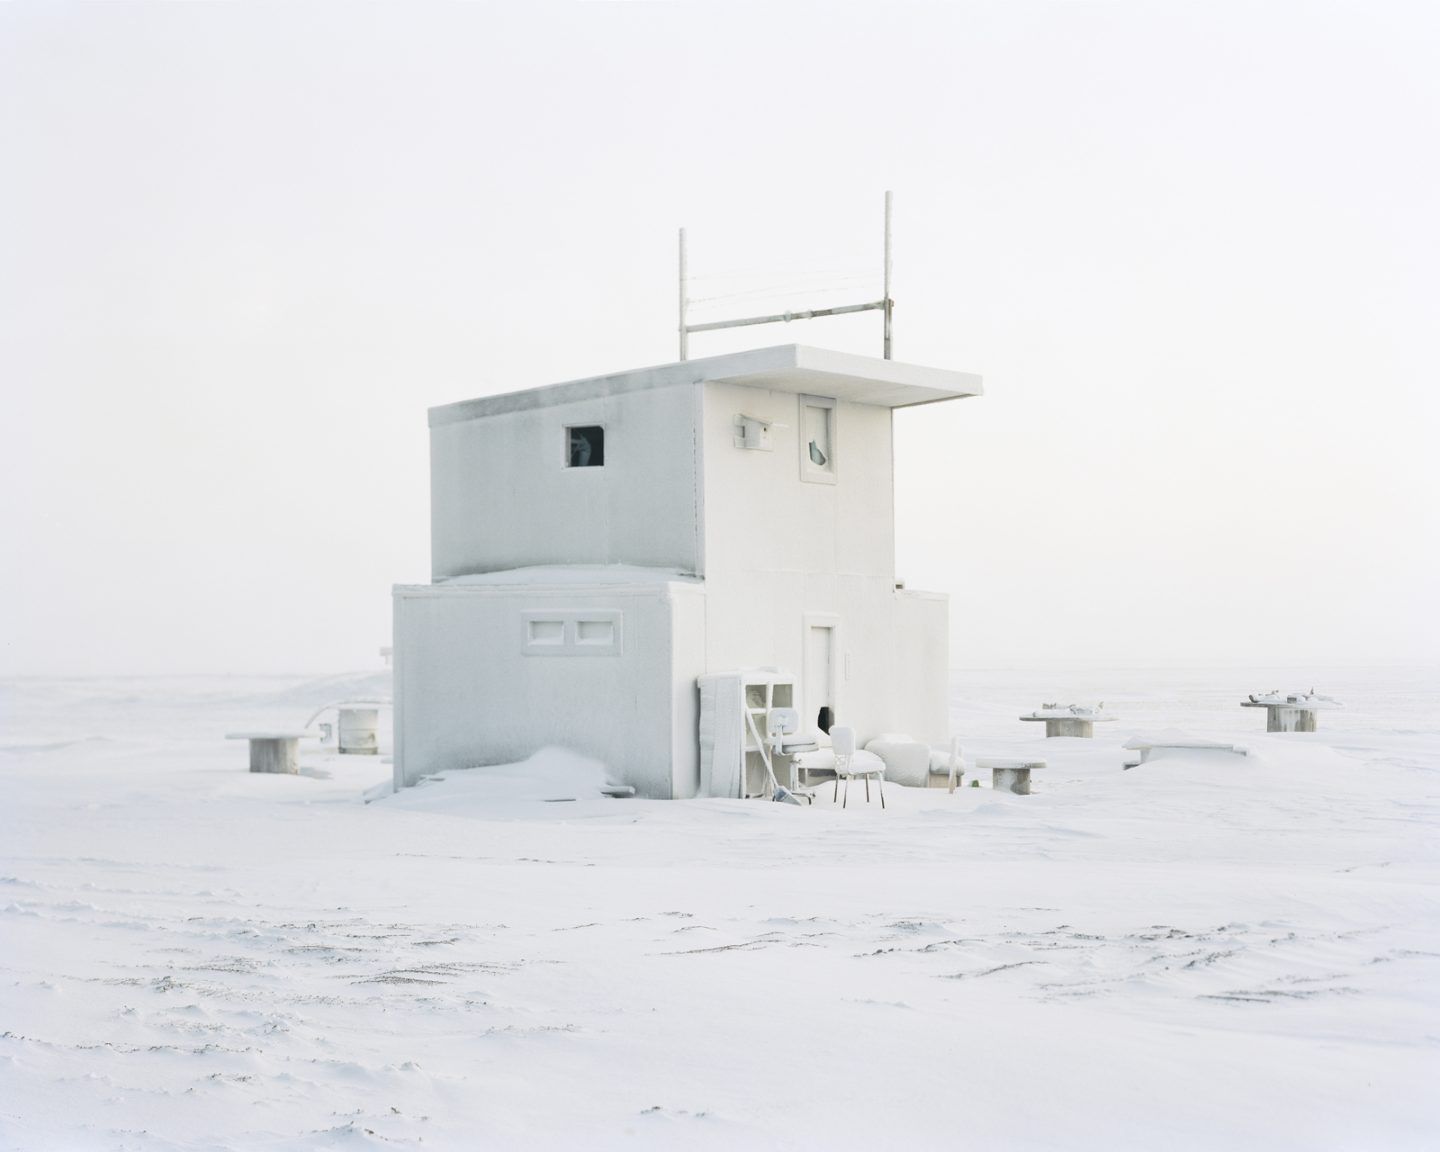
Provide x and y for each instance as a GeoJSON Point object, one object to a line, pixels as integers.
{"type": "Point", "coordinates": [785, 368]}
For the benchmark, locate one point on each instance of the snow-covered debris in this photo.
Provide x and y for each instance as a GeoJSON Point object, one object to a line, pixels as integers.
{"type": "Point", "coordinates": [1309, 701]}
{"type": "Point", "coordinates": [1069, 712]}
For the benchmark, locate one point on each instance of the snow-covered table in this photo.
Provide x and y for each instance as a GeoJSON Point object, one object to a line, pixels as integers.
{"type": "Point", "coordinates": [1178, 741]}
{"type": "Point", "coordinates": [1008, 774]}
{"type": "Point", "coordinates": [1290, 712]}
{"type": "Point", "coordinates": [272, 751]}
{"type": "Point", "coordinates": [1071, 720]}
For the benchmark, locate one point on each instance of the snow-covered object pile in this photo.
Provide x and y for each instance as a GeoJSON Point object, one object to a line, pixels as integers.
{"type": "Point", "coordinates": [1217, 953]}
{"type": "Point", "coordinates": [1307, 700]}
{"type": "Point", "coordinates": [1069, 712]}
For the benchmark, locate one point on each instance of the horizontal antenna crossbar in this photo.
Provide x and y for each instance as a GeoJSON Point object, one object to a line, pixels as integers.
{"type": "Point", "coordinates": [786, 317]}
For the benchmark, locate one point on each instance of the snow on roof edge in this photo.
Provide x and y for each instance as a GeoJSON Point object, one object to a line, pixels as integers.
{"type": "Point", "coordinates": [564, 575]}
{"type": "Point", "coordinates": [796, 368]}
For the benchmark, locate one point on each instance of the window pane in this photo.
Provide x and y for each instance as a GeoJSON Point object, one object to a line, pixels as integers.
{"type": "Point", "coordinates": [585, 447]}
{"type": "Point", "coordinates": [817, 435]}
{"type": "Point", "coordinates": [547, 631]}
{"type": "Point", "coordinates": [595, 631]}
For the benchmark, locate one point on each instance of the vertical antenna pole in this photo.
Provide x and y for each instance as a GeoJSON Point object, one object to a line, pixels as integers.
{"type": "Point", "coordinates": [684, 335]}
{"type": "Point", "coordinates": [889, 303]}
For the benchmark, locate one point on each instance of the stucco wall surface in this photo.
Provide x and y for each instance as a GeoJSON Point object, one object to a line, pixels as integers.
{"type": "Point", "coordinates": [920, 695]}
{"type": "Point", "coordinates": [468, 694]}
{"type": "Point", "coordinates": [785, 554]}
{"type": "Point", "coordinates": [687, 665]}
{"type": "Point", "coordinates": [761, 516]}
{"type": "Point", "coordinates": [501, 495]}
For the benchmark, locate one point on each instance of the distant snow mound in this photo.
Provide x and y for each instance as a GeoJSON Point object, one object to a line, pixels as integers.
{"type": "Point", "coordinates": [311, 694]}
{"type": "Point", "coordinates": [551, 774]}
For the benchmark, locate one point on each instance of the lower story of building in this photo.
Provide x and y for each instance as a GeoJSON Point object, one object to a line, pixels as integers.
{"type": "Point", "coordinates": [605, 661]}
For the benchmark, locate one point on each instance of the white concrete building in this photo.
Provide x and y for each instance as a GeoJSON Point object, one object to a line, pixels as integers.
{"type": "Point", "coordinates": [598, 545]}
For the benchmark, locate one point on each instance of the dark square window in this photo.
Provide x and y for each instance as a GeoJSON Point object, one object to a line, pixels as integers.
{"type": "Point", "coordinates": [585, 447]}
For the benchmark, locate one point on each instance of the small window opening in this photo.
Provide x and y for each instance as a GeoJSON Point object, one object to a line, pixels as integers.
{"type": "Point", "coordinates": [585, 447]}
{"type": "Point", "coordinates": [817, 439]}
{"type": "Point", "coordinates": [546, 631]}
{"type": "Point", "coordinates": [817, 433]}
{"type": "Point", "coordinates": [595, 632]}
{"type": "Point", "coordinates": [588, 632]}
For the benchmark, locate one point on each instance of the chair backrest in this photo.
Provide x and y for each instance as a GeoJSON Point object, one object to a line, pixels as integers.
{"type": "Point", "coordinates": [842, 740]}
{"type": "Point", "coordinates": [782, 722]}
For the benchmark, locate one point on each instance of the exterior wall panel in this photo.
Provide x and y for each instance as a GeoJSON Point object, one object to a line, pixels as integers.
{"type": "Point", "coordinates": [469, 695]}
{"type": "Point", "coordinates": [503, 497]}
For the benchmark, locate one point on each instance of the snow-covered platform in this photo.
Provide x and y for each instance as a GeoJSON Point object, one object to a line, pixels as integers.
{"type": "Point", "coordinates": [1009, 774]}
{"type": "Point", "coordinates": [1148, 746]}
{"type": "Point", "coordinates": [1290, 712]}
{"type": "Point", "coordinates": [1069, 720]}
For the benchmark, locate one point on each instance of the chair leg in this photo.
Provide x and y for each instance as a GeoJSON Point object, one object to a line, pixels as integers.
{"type": "Point", "coordinates": [880, 783]}
{"type": "Point", "coordinates": [837, 789]}
{"type": "Point", "coordinates": [847, 793]}
{"type": "Point", "coordinates": [867, 789]}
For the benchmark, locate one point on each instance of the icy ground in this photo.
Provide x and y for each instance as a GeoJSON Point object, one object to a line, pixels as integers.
{"type": "Point", "coordinates": [1204, 952]}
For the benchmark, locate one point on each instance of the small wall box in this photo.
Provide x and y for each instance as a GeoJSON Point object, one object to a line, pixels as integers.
{"type": "Point", "coordinates": [752, 432]}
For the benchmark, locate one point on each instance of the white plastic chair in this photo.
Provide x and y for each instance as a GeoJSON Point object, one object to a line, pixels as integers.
{"type": "Point", "coordinates": [782, 733]}
{"type": "Point", "coordinates": [850, 763]}
{"type": "Point", "coordinates": [782, 727]}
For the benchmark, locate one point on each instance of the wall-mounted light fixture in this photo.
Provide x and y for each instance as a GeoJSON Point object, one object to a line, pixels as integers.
{"type": "Point", "coordinates": [752, 432]}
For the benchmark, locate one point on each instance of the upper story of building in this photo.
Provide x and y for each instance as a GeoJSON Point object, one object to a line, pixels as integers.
{"type": "Point", "coordinates": [777, 458]}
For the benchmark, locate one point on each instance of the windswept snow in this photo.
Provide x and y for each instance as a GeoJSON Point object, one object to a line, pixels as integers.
{"type": "Point", "coordinates": [551, 775]}
{"type": "Point", "coordinates": [1202, 952]}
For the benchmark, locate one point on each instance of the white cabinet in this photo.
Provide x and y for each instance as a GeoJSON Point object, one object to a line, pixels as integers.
{"type": "Point", "coordinates": [733, 710]}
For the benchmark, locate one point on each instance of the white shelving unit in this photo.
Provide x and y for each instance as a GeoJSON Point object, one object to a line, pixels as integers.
{"type": "Point", "coordinates": [733, 710]}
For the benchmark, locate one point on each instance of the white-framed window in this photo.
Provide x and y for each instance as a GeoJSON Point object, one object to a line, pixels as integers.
{"type": "Point", "coordinates": [571, 632]}
{"type": "Point", "coordinates": [817, 439]}
{"type": "Point", "coordinates": [584, 446]}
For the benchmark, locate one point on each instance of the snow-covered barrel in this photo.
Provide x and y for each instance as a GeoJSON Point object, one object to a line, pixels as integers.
{"type": "Point", "coordinates": [358, 727]}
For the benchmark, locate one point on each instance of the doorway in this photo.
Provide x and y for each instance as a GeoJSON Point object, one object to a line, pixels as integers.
{"type": "Point", "coordinates": [820, 685]}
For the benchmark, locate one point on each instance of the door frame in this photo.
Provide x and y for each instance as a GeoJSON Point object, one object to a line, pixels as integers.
{"type": "Point", "coordinates": [832, 690]}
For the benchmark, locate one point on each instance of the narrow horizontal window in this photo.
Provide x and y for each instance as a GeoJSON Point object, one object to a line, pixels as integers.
{"type": "Point", "coordinates": [581, 632]}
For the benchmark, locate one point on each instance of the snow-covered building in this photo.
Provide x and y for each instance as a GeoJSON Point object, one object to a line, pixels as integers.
{"type": "Point", "coordinates": [597, 545]}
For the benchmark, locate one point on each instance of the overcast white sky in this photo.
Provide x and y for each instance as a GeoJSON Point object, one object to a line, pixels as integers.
{"type": "Point", "coordinates": [1192, 248]}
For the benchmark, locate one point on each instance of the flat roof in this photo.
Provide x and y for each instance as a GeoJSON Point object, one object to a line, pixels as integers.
{"type": "Point", "coordinates": [784, 368]}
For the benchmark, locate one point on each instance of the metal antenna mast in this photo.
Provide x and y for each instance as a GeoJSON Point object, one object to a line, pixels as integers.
{"type": "Point", "coordinates": [887, 305]}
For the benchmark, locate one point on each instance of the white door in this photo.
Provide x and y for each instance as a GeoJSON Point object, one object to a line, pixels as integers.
{"type": "Point", "coordinates": [820, 682]}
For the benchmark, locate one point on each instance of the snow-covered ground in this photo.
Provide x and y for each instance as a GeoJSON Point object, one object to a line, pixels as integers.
{"type": "Point", "coordinates": [1203, 952]}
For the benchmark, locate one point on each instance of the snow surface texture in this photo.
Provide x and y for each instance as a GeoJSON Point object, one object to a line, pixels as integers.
{"type": "Point", "coordinates": [1197, 953]}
